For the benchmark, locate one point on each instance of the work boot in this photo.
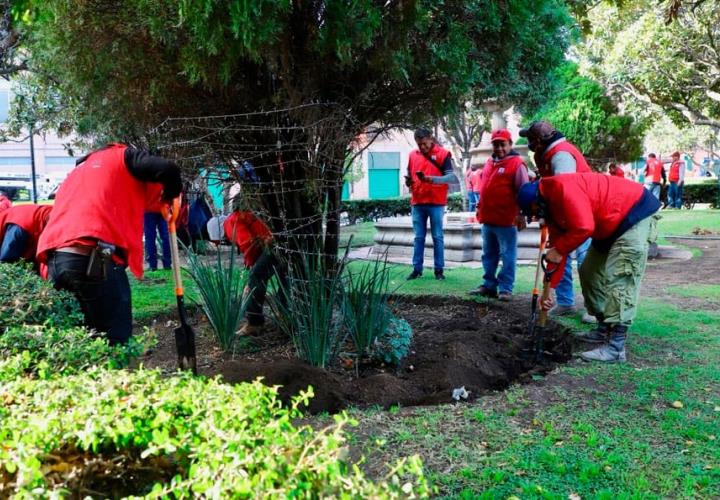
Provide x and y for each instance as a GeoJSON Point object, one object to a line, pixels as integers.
{"type": "Point", "coordinates": [505, 296]}
{"type": "Point", "coordinates": [560, 310]}
{"type": "Point", "coordinates": [613, 351]}
{"type": "Point", "coordinates": [588, 318]}
{"type": "Point", "coordinates": [248, 330]}
{"type": "Point", "coordinates": [598, 335]}
{"type": "Point", "coordinates": [414, 275]}
{"type": "Point", "coordinates": [439, 275]}
{"type": "Point", "coordinates": [483, 291]}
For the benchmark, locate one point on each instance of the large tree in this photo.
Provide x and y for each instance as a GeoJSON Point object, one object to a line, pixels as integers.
{"type": "Point", "coordinates": [333, 66]}
{"type": "Point", "coordinates": [582, 110]}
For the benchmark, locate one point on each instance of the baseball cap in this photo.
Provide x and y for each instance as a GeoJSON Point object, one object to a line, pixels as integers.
{"type": "Point", "coordinates": [502, 134]}
{"type": "Point", "coordinates": [540, 129]}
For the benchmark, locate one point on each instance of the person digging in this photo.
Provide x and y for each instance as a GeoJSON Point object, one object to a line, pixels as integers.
{"type": "Point", "coordinates": [619, 216]}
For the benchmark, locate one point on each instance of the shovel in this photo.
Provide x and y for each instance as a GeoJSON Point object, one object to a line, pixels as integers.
{"type": "Point", "coordinates": [536, 329]}
{"type": "Point", "coordinates": [184, 335]}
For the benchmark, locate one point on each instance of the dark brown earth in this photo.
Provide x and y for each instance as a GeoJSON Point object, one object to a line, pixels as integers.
{"type": "Point", "coordinates": [457, 343]}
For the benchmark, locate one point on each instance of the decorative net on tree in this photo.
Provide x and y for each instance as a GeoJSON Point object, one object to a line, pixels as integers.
{"type": "Point", "coordinates": [298, 156]}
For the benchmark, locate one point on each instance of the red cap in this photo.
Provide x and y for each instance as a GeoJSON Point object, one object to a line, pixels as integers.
{"type": "Point", "coordinates": [675, 154]}
{"type": "Point", "coordinates": [502, 134]}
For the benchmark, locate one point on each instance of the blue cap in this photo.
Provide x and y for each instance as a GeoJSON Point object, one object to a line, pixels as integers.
{"type": "Point", "coordinates": [527, 195]}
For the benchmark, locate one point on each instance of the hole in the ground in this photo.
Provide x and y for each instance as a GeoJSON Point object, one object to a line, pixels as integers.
{"type": "Point", "coordinates": [456, 343]}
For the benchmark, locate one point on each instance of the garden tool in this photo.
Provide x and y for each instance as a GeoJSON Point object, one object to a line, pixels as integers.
{"type": "Point", "coordinates": [184, 335]}
{"type": "Point", "coordinates": [538, 316]}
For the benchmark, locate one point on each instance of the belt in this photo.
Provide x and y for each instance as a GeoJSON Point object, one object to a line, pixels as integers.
{"type": "Point", "coordinates": [77, 250]}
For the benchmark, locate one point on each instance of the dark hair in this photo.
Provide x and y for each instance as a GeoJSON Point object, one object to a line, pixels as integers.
{"type": "Point", "coordinates": [652, 155]}
{"type": "Point", "coordinates": [422, 133]}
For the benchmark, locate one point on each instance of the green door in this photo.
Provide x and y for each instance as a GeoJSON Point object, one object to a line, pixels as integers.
{"type": "Point", "coordinates": [346, 191]}
{"type": "Point", "coordinates": [383, 175]}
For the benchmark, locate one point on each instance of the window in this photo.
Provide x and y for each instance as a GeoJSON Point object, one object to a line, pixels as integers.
{"type": "Point", "coordinates": [67, 161]}
{"type": "Point", "coordinates": [4, 105]}
{"type": "Point", "coordinates": [384, 160]}
{"type": "Point", "coordinates": [14, 161]}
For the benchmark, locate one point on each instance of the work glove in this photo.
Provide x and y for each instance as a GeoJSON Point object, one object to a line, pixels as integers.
{"type": "Point", "coordinates": [422, 177]}
{"type": "Point", "coordinates": [408, 181]}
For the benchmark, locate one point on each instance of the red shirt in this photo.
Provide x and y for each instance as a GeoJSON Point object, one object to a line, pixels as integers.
{"type": "Point", "coordinates": [32, 219]}
{"type": "Point", "coordinates": [583, 206]}
{"type": "Point", "coordinates": [544, 160]}
{"type": "Point", "coordinates": [474, 180]}
{"type": "Point", "coordinates": [497, 205]}
{"type": "Point", "coordinates": [426, 192]}
{"type": "Point", "coordinates": [653, 170]}
{"type": "Point", "coordinates": [249, 233]}
{"type": "Point", "coordinates": [674, 175]}
{"type": "Point", "coordinates": [619, 172]}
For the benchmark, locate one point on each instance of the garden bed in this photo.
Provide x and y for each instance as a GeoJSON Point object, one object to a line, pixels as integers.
{"type": "Point", "coordinates": [457, 343]}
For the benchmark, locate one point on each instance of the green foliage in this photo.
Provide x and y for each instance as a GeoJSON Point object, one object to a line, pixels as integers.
{"type": "Point", "coordinates": [27, 299]}
{"type": "Point", "coordinates": [393, 344]}
{"type": "Point", "coordinates": [221, 288]}
{"type": "Point", "coordinates": [304, 308]}
{"type": "Point", "coordinates": [46, 350]}
{"type": "Point", "coordinates": [372, 210]}
{"type": "Point", "coordinates": [226, 441]}
{"type": "Point", "coordinates": [365, 304]}
{"type": "Point", "coordinates": [582, 111]}
{"type": "Point", "coordinates": [704, 192]}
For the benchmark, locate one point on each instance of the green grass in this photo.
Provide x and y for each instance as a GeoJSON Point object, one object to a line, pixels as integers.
{"type": "Point", "coordinates": [682, 222]}
{"type": "Point", "coordinates": [154, 295]}
{"type": "Point", "coordinates": [362, 235]}
{"type": "Point", "coordinates": [707, 292]}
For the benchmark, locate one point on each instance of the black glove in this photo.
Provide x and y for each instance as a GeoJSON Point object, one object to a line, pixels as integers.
{"type": "Point", "coordinates": [408, 181]}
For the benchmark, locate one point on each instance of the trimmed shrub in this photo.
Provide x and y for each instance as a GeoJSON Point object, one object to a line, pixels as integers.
{"type": "Point", "coordinates": [216, 440]}
{"type": "Point", "coordinates": [45, 350]}
{"type": "Point", "coordinates": [27, 299]}
{"type": "Point", "coordinates": [703, 192]}
{"type": "Point", "coordinates": [372, 210]}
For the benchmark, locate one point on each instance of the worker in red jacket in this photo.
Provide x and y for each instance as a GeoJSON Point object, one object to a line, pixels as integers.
{"type": "Point", "coordinates": [472, 178]}
{"type": "Point", "coordinates": [254, 239]}
{"type": "Point", "coordinates": [616, 170]}
{"type": "Point", "coordinates": [676, 177]}
{"type": "Point", "coordinates": [618, 215]}
{"type": "Point", "coordinates": [96, 227]}
{"type": "Point", "coordinates": [20, 230]}
{"type": "Point", "coordinates": [655, 176]}
{"type": "Point", "coordinates": [430, 171]}
{"type": "Point", "coordinates": [502, 176]}
{"type": "Point", "coordinates": [555, 155]}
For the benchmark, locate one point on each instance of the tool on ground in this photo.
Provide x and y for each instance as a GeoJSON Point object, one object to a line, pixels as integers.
{"type": "Point", "coordinates": [538, 316]}
{"type": "Point", "coordinates": [184, 334]}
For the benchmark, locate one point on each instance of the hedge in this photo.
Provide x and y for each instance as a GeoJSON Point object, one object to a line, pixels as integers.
{"type": "Point", "coordinates": [704, 192]}
{"type": "Point", "coordinates": [372, 210]}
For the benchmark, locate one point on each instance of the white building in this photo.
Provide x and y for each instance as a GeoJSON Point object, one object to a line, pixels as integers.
{"type": "Point", "coordinates": [52, 162]}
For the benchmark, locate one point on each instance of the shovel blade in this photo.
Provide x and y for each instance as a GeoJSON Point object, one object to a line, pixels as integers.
{"type": "Point", "coordinates": [185, 344]}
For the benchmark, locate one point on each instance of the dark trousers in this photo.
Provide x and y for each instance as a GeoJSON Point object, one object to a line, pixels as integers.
{"type": "Point", "coordinates": [264, 268]}
{"type": "Point", "coordinates": [105, 303]}
{"type": "Point", "coordinates": [154, 223]}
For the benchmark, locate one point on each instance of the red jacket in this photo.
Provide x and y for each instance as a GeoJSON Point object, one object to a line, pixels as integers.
{"type": "Point", "coordinates": [474, 180]}
{"type": "Point", "coordinates": [619, 172]}
{"type": "Point", "coordinates": [101, 200]}
{"type": "Point", "coordinates": [674, 175]}
{"type": "Point", "coordinates": [586, 206]}
{"type": "Point", "coordinates": [427, 192]}
{"type": "Point", "coordinates": [32, 219]}
{"type": "Point", "coordinates": [543, 161]}
{"type": "Point", "coordinates": [653, 170]}
{"type": "Point", "coordinates": [249, 233]}
{"type": "Point", "coordinates": [5, 203]}
{"type": "Point", "coordinates": [497, 205]}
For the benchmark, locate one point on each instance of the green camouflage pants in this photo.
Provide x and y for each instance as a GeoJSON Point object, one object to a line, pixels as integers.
{"type": "Point", "coordinates": [611, 282]}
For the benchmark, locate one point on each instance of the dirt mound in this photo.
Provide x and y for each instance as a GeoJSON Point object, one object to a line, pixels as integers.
{"type": "Point", "coordinates": [456, 343]}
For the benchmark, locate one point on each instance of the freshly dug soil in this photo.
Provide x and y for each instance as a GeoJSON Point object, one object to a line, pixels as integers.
{"type": "Point", "coordinates": [456, 343]}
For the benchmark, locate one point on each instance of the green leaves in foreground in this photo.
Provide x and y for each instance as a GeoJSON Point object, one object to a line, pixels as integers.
{"type": "Point", "coordinates": [226, 441]}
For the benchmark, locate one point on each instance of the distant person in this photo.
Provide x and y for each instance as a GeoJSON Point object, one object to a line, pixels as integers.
{"type": "Point", "coordinates": [5, 201]}
{"type": "Point", "coordinates": [430, 171]}
{"type": "Point", "coordinates": [654, 175]}
{"type": "Point", "coordinates": [676, 177]}
{"type": "Point", "coordinates": [498, 212]}
{"type": "Point", "coordinates": [555, 155]}
{"type": "Point", "coordinates": [473, 185]}
{"type": "Point", "coordinates": [616, 170]}
{"type": "Point", "coordinates": [154, 224]}
{"type": "Point", "coordinates": [20, 229]}
{"type": "Point", "coordinates": [255, 241]}
{"type": "Point", "coordinates": [95, 231]}
{"type": "Point", "coordinates": [618, 215]}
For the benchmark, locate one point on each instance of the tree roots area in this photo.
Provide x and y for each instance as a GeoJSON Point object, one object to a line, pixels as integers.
{"type": "Point", "coordinates": [461, 349]}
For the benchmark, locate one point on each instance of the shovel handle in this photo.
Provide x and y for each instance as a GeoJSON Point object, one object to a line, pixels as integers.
{"type": "Point", "coordinates": [171, 215]}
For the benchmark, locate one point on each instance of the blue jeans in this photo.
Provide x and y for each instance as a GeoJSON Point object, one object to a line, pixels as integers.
{"type": "Point", "coordinates": [420, 216]}
{"type": "Point", "coordinates": [564, 292]}
{"type": "Point", "coordinates": [155, 222]}
{"type": "Point", "coordinates": [499, 242]}
{"type": "Point", "coordinates": [473, 198]}
{"type": "Point", "coordinates": [654, 189]}
{"type": "Point", "coordinates": [675, 195]}
{"type": "Point", "coordinates": [14, 244]}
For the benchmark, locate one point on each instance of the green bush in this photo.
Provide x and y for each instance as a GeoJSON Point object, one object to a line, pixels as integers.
{"type": "Point", "coordinates": [220, 285]}
{"type": "Point", "coordinates": [372, 210]}
{"type": "Point", "coordinates": [27, 299]}
{"type": "Point", "coordinates": [393, 345]}
{"type": "Point", "coordinates": [45, 350]}
{"type": "Point", "coordinates": [703, 192]}
{"type": "Point", "coordinates": [218, 440]}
